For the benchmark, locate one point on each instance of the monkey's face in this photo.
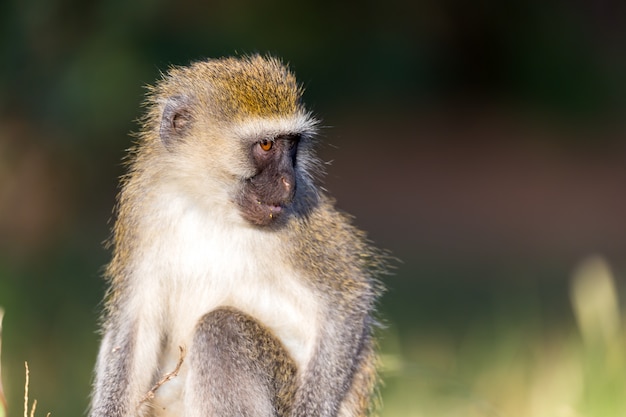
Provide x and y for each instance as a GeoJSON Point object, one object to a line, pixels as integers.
{"type": "Point", "coordinates": [258, 169]}
{"type": "Point", "coordinates": [267, 194]}
{"type": "Point", "coordinates": [236, 138]}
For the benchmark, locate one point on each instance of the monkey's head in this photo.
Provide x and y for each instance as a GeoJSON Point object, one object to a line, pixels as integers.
{"type": "Point", "coordinates": [233, 131]}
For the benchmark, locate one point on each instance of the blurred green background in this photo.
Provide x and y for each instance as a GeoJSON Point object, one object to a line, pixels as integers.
{"type": "Point", "coordinates": [482, 143]}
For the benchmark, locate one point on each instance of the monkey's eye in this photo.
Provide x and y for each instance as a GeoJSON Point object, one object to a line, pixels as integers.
{"type": "Point", "coordinates": [266, 145]}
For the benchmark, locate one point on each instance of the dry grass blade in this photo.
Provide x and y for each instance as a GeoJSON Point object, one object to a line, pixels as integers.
{"type": "Point", "coordinates": [168, 376]}
{"type": "Point", "coordinates": [26, 390]}
{"type": "Point", "coordinates": [3, 402]}
{"type": "Point", "coordinates": [34, 407]}
{"type": "Point", "coordinates": [32, 410]}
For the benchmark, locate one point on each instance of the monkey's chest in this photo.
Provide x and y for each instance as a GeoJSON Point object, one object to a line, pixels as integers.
{"type": "Point", "coordinates": [280, 304]}
{"type": "Point", "coordinates": [197, 272]}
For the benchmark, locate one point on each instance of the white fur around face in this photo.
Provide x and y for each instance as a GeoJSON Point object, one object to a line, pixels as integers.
{"type": "Point", "coordinates": [197, 261]}
{"type": "Point", "coordinates": [300, 123]}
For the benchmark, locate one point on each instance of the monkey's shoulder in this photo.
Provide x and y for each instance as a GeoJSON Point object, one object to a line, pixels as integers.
{"type": "Point", "coordinates": [334, 251]}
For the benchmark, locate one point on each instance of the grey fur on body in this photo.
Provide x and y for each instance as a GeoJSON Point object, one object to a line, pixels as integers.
{"type": "Point", "coordinates": [277, 316]}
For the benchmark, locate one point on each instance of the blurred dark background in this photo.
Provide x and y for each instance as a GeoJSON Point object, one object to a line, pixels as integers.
{"type": "Point", "coordinates": [482, 143]}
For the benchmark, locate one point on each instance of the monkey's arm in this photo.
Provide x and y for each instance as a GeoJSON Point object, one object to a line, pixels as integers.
{"type": "Point", "coordinates": [126, 362]}
{"type": "Point", "coordinates": [343, 349]}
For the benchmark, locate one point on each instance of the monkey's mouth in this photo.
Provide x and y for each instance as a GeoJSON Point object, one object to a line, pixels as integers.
{"type": "Point", "coordinates": [260, 212]}
{"type": "Point", "coordinates": [272, 209]}
{"type": "Point", "coordinates": [265, 213]}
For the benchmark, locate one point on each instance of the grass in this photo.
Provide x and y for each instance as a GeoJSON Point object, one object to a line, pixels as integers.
{"type": "Point", "coordinates": [517, 364]}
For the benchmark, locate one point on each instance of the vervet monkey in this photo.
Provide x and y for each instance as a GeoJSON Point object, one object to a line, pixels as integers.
{"type": "Point", "coordinates": [225, 247]}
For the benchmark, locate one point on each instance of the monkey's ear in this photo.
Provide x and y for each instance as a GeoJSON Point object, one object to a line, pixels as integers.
{"type": "Point", "coordinates": [176, 119]}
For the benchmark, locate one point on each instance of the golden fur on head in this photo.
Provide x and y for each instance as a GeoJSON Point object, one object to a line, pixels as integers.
{"type": "Point", "coordinates": [237, 89]}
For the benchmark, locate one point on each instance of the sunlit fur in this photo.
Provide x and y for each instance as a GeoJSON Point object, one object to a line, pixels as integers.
{"type": "Point", "coordinates": [182, 249]}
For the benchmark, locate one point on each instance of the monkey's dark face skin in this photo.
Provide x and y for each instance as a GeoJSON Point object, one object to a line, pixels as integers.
{"type": "Point", "coordinates": [267, 195]}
